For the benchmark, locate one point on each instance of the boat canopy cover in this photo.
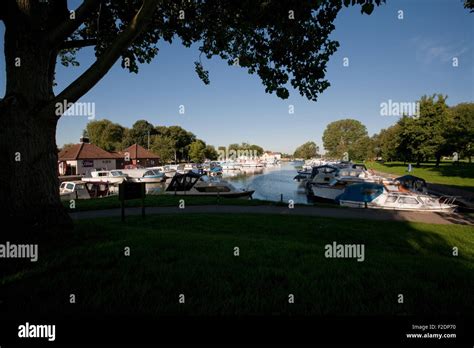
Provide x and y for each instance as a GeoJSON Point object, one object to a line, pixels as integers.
{"type": "Point", "coordinates": [364, 192]}
{"type": "Point", "coordinates": [183, 182]}
{"type": "Point", "coordinates": [324, 168]}
{"type": "Point", "coordinates": [410, 179]}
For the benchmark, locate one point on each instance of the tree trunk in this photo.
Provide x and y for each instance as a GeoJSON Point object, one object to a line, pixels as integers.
{"type": "Point", "coordinates": [29, 185]}
{"type": "Point", "coordinates": [438, 160]}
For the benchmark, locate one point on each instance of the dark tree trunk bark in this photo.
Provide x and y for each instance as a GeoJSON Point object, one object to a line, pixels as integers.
{"type": "Point", "coordinates": [29, 185]}
{"type": "Point", "coordinates": [34, 31]}
{"type": "Point", "coordinates": [438, 160]}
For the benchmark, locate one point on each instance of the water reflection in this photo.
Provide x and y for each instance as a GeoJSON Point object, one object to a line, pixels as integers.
{"type": "Point", "coordinates": [269, 183]}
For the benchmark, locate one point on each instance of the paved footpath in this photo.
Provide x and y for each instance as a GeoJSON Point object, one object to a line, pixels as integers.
{"type": "Point", "coordinates": [342, 213]}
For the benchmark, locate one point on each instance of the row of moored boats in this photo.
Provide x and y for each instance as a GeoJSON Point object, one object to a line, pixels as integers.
{"type": "Point", "coordinates": [352, 185]}
{"type": "Point", "coordinates": [184, 179]}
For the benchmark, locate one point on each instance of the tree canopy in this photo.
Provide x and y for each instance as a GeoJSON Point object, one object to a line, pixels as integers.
{"type": "Point", "coordinates": [346, 135]}
{"type": "Point", "coordinates": [438, 131]}
{"type": "Point", "coordinates": [307, 150]}
{"type": "Point", "coordinates": [283, 42]}
{"type": "Point", "coordinates": [106, 134]}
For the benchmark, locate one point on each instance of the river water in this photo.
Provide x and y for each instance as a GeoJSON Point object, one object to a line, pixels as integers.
{"type": "Point", "coordinates": [269, 183]}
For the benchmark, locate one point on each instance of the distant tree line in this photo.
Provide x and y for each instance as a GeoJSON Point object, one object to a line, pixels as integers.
{"type": "Point", "coordinates": [438, 130]}
{"type": "Point", "coordinates": [172, 144]}
{"type": "Point", "coordinates": [307, 150]}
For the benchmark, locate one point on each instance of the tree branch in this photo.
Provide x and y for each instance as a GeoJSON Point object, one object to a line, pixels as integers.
{"type": "Point", "coordinates": [77, 44]}
{"type": "Point", "coordinates": [69, 26]}
{"type": "Point", "coordinates": [103, 64]}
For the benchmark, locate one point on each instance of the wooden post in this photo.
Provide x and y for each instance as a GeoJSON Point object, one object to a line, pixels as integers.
{"type": "Point", "coordinates": [122, 201]}
{"type": "Point", "coordinates": [143, 199]}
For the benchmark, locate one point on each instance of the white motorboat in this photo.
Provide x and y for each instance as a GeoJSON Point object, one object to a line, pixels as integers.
{"type": "Point", "coordinates": [144, 175]}
{"type": "Point", "coordinates": [230, 166]}
{"type": "Point", "coordinates": [106, 176]}
{"type": "Point", "coordinates": [73, 190]}
{"type": "Point", "coordinates": [252, 164]}
{"type": "Point", "coordinates": [329, 192]}
{"type": "Point", "coordinates": [323, 174]}
{"type": "Point", "coordinates": [376, 196]}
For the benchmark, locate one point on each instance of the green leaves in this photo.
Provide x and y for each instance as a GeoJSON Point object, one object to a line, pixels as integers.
{"type": "Point", "coordinates": [282, 49]}
{"type": "Point", "coordinates": [202, 73]}
{"type": "Point", "coordinates": [307, 150]}
{"type": "Point", "coordinates": [367, 8]}
{"type": "Point", "coordinates": [346, 135]}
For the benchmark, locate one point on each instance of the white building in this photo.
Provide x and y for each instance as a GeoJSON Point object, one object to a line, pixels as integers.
{"type": "Point", "coordinates": [83, 158]}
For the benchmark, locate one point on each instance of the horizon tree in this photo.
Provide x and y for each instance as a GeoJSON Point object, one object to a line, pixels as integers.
{"type": "Point", "coordinates": [284, 42]}
{"type": "Point", "coordinates": [347, 135]}
{"type": "Point", "coordinates": [307, 150]}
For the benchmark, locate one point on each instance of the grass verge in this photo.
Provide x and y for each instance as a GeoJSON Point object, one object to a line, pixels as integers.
{"type": "Point", "coordinates": [279, 255]}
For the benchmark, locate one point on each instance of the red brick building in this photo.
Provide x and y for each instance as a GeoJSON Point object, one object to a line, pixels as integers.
{"type": "Point", "coordinates": [138, 156]}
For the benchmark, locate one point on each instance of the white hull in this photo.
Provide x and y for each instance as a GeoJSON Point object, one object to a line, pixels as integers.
{"type": "Point", "coordinates": [194, 192]}
{"type": "Point", "coordinates": [443, 208]}
{"type": "Point", "coordinates": [105, 180]}
{"type": "Point", "coordinates": [231, 167]}
{"type": "Point", "coordinates": [326, 191]}
{"type": "Point", "coordinates": [146, 180]}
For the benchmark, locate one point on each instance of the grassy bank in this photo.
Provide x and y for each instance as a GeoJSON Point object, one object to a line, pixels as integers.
{"type": "Point", "coordinates": [159, 201]}
{"type": "Point", "coordinates": [460, 176]}
{"type": "Point", "coordinates": [113, 202]}
{"type": "Point", "coordinates": [279, 255]}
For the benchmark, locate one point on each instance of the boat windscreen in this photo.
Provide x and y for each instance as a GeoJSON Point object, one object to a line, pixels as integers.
{"type": "Point", "coordinates": [183, 182]}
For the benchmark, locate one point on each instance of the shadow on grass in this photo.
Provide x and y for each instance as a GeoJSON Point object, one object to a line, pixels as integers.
{"type": "Point", "coordinates": [278, 256]}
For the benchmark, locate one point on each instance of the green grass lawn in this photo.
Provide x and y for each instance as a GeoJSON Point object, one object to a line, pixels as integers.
{"type": "Point", "coordinates": [159, 201]}
{"type": "Point", "coordinates": [279, 255]}
{"type": "Point", "coordinates": [460, 176]}
{"type": "Point", "coordinates": [112, 202]}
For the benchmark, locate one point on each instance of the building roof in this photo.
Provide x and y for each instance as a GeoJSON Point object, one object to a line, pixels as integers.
{"type": "Point", "coordinates": [136, 152]}
{"type": "Point", "coordinates": [84, 151]}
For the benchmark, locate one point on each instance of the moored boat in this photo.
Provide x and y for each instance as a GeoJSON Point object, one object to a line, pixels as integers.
{"type": "Point", "coordinates": [377, 196]}
{"type": "Point", "coordinates": [193, 184]}
{"type": "Point", "coordinates": [106, 176]}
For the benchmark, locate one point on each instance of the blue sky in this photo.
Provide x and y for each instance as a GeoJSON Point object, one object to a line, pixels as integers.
{"type": "Point", "coordinates": [389, 58]}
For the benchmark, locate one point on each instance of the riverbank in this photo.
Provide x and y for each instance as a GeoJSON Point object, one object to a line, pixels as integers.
{"type": "Point", "coordinates": [194, 255]}
{"type": "Point", "coordinates": [460, 177]}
